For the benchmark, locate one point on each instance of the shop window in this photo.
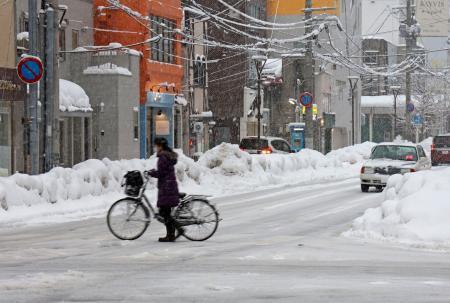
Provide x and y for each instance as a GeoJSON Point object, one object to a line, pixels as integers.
{"type": "Point", "coordinates": [164, 49]}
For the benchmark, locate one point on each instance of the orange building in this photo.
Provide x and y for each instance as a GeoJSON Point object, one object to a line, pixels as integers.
{"type": "Point", "coordinates": [131, 22]}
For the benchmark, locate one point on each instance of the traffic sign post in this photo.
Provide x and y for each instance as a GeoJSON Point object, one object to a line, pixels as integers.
{"type": "Point", "coordinates": [417, 120]}
{"type": "Point", "coordinates": [306, 99]}
{"type": "Point", "coordinates": [30, 69]}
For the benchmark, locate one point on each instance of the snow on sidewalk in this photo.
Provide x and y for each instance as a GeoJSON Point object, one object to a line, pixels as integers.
{"type": "Point", "coordinates": [415, 212]}
{"type": "Point", "coordinates": [90, 187]}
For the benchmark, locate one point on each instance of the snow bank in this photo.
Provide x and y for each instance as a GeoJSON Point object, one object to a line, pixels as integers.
{"type": "Point", "coordinates": [416, 211]}
{"type": "Point", "coordinates": [95, 184]}
{"type": "Point", "coordinates": [72, 97]}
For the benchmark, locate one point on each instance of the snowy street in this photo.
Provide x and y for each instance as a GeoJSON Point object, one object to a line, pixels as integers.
{"type": "Point", "coordinates": [282, 245]}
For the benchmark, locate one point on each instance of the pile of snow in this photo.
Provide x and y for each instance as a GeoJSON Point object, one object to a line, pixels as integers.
{"type": "Point", "coordinates": [416, 211]}
{"type": "Point", "coordinates": [22, 36]}
{"type": "Point", "coordinates": [90, 187]}
{"type": "Point", "coordinates": [72, 97]}
{"type": "Point", "coordinates": [107, 69]}
{"type": "Point", "coordinates": [352, 154]}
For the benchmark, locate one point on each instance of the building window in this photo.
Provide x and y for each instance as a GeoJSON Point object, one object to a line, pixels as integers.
{"type": "Point", "coordinates": [136, 123]}
{"type": "Point", "coordinates": [370, 57]}
{"type": "Point", "coordinates": [164, 50]}
{"type": "Point", "coordinates": [75, 38]}
{"type": "Point", "coordinates": [200, 71]}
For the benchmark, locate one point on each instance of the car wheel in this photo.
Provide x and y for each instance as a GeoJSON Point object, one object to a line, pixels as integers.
{"type": "Point", "coordinates": [364, 188]}
{"type": "Point", "coordinates": [434, 164]}
{"type": "Point", "coordinates": [380, 188]}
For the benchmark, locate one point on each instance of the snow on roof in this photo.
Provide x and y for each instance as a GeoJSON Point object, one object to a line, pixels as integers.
{"type": "Point", "coordinates": [208, 114]}
{"type": "Point", "coordinates": [273, 67]}
{"type": "Point", "coordinates": [22, 36]}
{"type": "Point", "coordinates": [382, 101]}
{"type": "Point", "coordinates": [107, 68]}
{"type": "Point", "coordinates": [72, 97]}
{"type": "Point", "coordinates": [110, 49]}
{"type": "Point", "coordinates": [398, 143]}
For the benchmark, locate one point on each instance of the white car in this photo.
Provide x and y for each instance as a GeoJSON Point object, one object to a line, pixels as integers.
{"type": "Point", "coordinates": [388, 159]}
{"type": "Point", "coordinates": [265, 145]}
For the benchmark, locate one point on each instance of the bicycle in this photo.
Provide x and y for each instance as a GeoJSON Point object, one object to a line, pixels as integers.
{"type": "Point", "coordinates": [129, 218]}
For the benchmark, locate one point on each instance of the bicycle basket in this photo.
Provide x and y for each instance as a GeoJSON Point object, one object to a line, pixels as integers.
{"type": "Point", "coordinates": [133, 182]}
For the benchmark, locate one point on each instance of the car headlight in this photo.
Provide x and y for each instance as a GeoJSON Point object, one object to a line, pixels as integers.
{"type": "Point", "coordinates": [367, 170]}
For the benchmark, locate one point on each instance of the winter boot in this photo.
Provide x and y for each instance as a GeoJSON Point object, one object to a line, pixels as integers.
{"type": "Point", "coordinates": [170, 237]}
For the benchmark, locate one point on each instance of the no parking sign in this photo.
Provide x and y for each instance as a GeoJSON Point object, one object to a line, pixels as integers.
{"type": "Point", "coordinates": [30, 69]}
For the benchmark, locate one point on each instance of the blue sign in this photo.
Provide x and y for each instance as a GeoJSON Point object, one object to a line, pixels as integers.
{"type": "Point", "coordinates": [410, 107]}
{"type": "Point", "coordinates": [306, 99]}
{"type": "Point", "coordinates": [417, 119]}
{"type": "Point", "coordinates": [30, 69]}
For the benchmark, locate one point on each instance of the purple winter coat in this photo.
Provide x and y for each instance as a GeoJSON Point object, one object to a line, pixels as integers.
{"type": "Point", "coordinates": [168, 194]}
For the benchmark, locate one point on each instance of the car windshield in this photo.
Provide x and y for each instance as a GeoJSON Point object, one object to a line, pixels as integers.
{"type": "Point", "coordinates": [395, 152]}
{"type": "Point", "coordinates": [252, 144]}
{"type": "Point", "coordinates": [442, 141]}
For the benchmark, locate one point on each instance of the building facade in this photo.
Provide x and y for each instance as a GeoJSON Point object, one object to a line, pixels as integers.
{"type": "Point", "coordinates": [161, 70]}
{"type": "Point", "coordinates": [331, 91]}
{"type": "Point", "coordinates": [12, 96]}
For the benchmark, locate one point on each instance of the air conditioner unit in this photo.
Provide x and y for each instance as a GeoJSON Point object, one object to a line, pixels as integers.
{"type": "Point", "coordinates": [198, 127]}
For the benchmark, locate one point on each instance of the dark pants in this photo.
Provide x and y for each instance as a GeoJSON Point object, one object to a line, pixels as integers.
{"type": "Point", "coordinates": [166, 212]}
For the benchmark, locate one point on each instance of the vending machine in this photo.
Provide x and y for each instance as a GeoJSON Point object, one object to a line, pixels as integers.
{"type": "Point", "coordinates": [297, 136]}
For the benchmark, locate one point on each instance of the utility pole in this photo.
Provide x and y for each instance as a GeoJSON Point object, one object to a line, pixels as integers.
{"type": "Point", "coordinates": [353, 85]}
{"type": "Point", "coordinates": [51, 86]}
{"type": "Point", "coordinates": [410, 45]}
{"type": "Point", "coordinates": [33, 97]}
{"type": "Point", "coordinates": [395, 91]}
{"type": "Point", "coordinates": [308, 85]}
{"type": "Point", "coordinates": [260, 62]}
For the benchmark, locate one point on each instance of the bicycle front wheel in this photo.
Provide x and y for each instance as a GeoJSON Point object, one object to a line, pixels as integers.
{"type": "Point", "coordinates": [198, 218]}
{"type": "Point", "coordinates": [128, 219]}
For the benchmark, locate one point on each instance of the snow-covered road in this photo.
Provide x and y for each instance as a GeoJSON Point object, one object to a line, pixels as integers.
{"type": "Point", "coordinates": [281, 245]}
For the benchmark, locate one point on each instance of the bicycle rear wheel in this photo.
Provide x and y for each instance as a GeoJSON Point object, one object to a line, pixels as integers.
{"type": "Point", "coordinates": [198, 218]}
{"type": "Point", "coordinates": [128, 219]}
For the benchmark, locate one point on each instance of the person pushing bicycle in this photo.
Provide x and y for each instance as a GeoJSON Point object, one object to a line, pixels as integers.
{"type": "Point", "coordinates": [168, 194]}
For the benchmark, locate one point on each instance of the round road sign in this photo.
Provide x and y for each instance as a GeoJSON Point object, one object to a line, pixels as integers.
{"type": "Point", "coordinates": [30, 69]}
{"type": "Point", "coordinates": [306, 99]}
{"type": "Point", "coordinates": [410, 107]}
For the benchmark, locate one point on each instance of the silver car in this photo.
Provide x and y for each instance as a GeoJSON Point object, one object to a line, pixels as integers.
{"type": "Point", "coordinates": [388, 159]}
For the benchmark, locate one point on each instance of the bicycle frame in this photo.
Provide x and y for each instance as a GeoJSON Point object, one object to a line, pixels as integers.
{"type": "Point", "coordinates": [142, 197]}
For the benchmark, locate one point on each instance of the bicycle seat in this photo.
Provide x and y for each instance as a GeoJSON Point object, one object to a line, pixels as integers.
{"type": "Point", "coordinates": [182, 195]}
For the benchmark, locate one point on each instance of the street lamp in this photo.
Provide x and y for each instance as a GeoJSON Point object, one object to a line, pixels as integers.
{"type": "Point", "coordinates": [353, 80]}
{"type": "Point", "coordinates": [395, 90]}
{"type": "Point", "coordinates": [260, 62]}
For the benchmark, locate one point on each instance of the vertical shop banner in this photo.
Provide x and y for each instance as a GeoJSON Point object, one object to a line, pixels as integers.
{"type": "Point", "coordinates": [432, 16]}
